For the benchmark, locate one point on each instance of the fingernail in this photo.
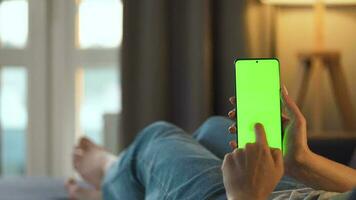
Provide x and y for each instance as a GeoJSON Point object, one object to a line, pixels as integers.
{"type": "Point", "coordinates": [231, 100]}
{"type": "Point", "coordinates": [258, 126]}
{"type": "Point", "coordinates": [232, 128]}
{"type": "Point", "coordinates": [71, 180]}
{"type": "Point", "coordinates": [230, 114]}
{"type": "Point", "coordinates": [285, 89]}
{"type": "Point", "coordinates": [231, 145]}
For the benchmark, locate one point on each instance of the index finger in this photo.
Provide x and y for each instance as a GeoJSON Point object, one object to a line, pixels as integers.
{"type": "Point", "coordinates": [261, 135]}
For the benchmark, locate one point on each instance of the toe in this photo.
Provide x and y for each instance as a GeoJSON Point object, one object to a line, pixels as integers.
{"type": "Point", "coordinates": [78, 155]}
{"type": "Point", "coordinates": [85, 143]}
{"type": "Point", "coordinates": [78, 152]}
{"type": "Point", "coordinates": [72, 187]}
{"type": "Point", "coordinates": [69, 183]}
{"type": "Point", "coordinates": [77, 158]}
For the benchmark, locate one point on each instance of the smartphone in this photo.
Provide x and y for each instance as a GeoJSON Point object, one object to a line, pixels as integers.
{"type": "Point", "coordinates": [258, 100]}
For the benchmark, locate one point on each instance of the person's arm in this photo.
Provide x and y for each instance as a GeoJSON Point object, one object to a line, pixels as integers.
{"type": "Point", "coordinates": [252, 173]}
{"type": "Point", "coordinates": [306, 166]}
{"type": "Point", "coordinates": [322, 173]}
{"type": "Point", "coordinates": [300, 162]}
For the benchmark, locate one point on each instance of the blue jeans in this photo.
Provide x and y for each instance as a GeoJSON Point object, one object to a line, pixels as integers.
{"type": "Point", "coordinates": [166, 163]}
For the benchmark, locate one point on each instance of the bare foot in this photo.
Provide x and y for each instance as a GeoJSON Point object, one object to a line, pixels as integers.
{"type": "Point", "coordinates": [79, 193]}
{"type": "Point", "coordinates": [91, 161]}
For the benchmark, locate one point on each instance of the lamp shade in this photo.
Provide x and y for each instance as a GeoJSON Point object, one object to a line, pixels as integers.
{"type": "Point", "coordinates": [308, 2]}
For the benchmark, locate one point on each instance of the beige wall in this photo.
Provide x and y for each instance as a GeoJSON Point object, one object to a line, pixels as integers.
{"type": "Point", "coordinates": [294, 33]}
{"type": "Point", "coordinates": [259, 18]}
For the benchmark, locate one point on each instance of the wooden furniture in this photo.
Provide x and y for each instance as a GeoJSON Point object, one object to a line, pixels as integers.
{"type": "Point", "coordinates": [314, 63]}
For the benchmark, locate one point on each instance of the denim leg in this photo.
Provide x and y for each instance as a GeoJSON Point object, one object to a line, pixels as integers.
{"type": "Point", "coordinates": [214, 135]}
{"type": "Point", "coordinates": [120, 183]}
{"type": "Point", "coordinates": [288, 183]}
{"type": "Point", "coordinates": [165, 163]}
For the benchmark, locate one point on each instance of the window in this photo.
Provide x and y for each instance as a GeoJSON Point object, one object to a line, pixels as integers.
{"type": "Point", "coordinates": [13, 115]}
{"type": "Point", "coordinates": [13, 87]}
{"type": "Point", "coordinates": [100, 96]}
{"type": "Point", "coordinates": [13, 23]}
{"type": "Point", "coordinates": [100, 23]}
{"type": "Point", "coordinates": [98, 39]}
{"type": "Point", "coordinates": [77, 45]}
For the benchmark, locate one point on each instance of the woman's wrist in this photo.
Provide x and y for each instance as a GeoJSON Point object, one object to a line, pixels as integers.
{"type": "Point", "coordinates": [300, 160]}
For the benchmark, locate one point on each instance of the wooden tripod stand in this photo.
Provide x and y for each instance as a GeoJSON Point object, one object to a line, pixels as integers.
{"type": "Point", "coordinates": [314, 63]}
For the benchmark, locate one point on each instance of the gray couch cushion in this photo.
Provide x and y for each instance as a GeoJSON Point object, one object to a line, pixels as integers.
{"type": "Point", "coordinates": [353, 160]}
{"type": "Point", "coordinates": [32, 189]}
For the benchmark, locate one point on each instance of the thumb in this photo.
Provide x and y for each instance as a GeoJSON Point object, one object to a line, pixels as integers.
{"type": "Point", "coordinates": [291, 107]}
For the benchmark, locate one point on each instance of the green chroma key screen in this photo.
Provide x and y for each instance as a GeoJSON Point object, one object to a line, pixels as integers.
{"type": "Point", "coordinates": [258, 100]}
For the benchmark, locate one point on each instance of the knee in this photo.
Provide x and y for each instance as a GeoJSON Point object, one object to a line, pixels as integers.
{"type": "Point", "coordinates": [159, 129]}
{"type": "Point", "coordinates": [211, 127]}
{"type": "Point", "coordinates": [217, 121]}
{"type": "Point", "coordinates": [158, 126]}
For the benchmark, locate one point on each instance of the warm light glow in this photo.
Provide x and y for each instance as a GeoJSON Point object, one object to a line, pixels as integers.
{"type": "Point", "coordinates": [309, 2]}
{"type": "Point", "coordinates": [98, 93]}
{"type": "Point", "coordinates": [100, 23]}
{"type": "Point", "coordinates": [13, 23]}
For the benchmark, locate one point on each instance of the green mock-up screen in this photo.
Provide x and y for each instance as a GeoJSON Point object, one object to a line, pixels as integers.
{"type": "Point", "coordinates": [258, 100]}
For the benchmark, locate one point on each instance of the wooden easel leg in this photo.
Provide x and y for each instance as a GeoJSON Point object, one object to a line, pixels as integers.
{"type": "Point", "coordinates": [342, 95]}
{"type": "Point", "coordinates": [305, 83]}
{"type": "Point", "coordinates": [316, 101]}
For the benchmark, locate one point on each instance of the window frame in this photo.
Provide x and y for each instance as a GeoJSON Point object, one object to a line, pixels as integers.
{"type": "Point", "coordinates": [37, 126]}
{"type": "Point", "coordinates": [52, 66]}
{"type": "Point", "coordinates": [66, 61]}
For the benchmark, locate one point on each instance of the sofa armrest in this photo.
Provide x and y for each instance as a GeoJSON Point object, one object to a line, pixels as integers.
{"type": "Point", "coordinates": [339, 150]}
{"type": "Point", "coordinates": [353, 195]}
